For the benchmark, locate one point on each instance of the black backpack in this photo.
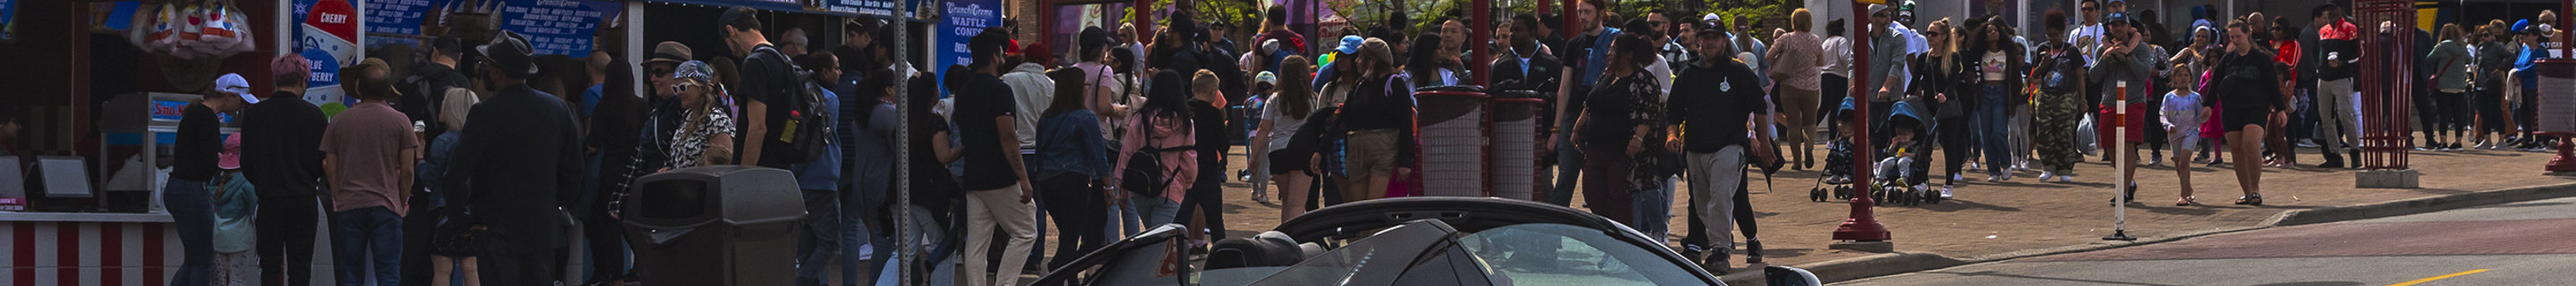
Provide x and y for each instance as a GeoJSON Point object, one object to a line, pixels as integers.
{"type": "Point", "coordinates": [2059, 76]}
{"type": "Point", "coordinates": [808, 129]}
{"type": "Point", "coordinates": [1145, 174]}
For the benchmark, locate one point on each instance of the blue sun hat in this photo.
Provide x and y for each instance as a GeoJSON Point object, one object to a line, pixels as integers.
{"type": "Point", "coordinates": [1350, 44]}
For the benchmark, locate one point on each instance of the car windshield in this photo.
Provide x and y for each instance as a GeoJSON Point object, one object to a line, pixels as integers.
{"type": "Point", "coordinates": [1558, 254]}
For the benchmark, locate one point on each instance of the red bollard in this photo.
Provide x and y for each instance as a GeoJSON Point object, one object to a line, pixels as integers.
{"type": "Point", "coordinates": [1862, 225]}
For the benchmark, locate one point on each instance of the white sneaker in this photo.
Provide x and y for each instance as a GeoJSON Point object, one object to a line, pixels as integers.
{"type": "Point", "coordinates": [1945, 192]}
{"type": "Point", "coordinates": [1956, 177]}
{"type": "Point", "coordinates": [1972, 166]}
{"type": "Point", "coordinates": [2067, 178]}
{"type": "Point", "coordinates": [1993, 178]}
{"type": "Point", "coordinates": [2045, 175]}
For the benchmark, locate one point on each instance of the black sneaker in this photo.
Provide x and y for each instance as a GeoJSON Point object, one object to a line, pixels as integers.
{"type": "Point", "coordinates": [1692, 253]}
{"type": "Point", "coordinates": [1752, 252]}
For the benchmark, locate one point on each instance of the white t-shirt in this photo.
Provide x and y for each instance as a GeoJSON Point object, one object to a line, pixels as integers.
{"type": "Point", "coordinates": [2085, 39]}
{"type": "Point", "coordinates": [1281, 123]}
{"type": "Point", "coordinates": [1837, 56]}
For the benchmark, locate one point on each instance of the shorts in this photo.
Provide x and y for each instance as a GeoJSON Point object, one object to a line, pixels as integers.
{"type": "Point", "coordinates": [2235, 119]}
{"type": "Point", "coordinates": [2137, 118]}
{"type": "Point", "coordinates": [2187, 140]}
{"type": "Point", "coordinates": [1372, 153]}
{"type": "Point", "coordinates": [1291, 160]}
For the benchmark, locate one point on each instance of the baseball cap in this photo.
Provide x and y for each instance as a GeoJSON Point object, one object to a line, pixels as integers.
{"type": "Point", "coordinates": [2522, 26]}
{"type": "Point", "coordinates": [1266, 78]}
{"type": "Point", "coordinates": [1269, 46]}
{"type": "Point", "coordinates": [736, 13]}
{"type": "Point", "coordinates": [669, 52]}
{"type": "Point", "coordinates": [233, 83]}
{"type": "Point", "coordinates": [1878, 7]}
{"type": "Point", "coordinates": [1350, 44]}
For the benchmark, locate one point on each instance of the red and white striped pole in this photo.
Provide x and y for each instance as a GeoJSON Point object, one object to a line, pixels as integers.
{"type": "Point", "coordinates": [2120, 157]}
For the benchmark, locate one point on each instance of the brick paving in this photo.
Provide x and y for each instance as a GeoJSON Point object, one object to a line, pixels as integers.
{"type": "Point", "coordinates": [2024, 214]}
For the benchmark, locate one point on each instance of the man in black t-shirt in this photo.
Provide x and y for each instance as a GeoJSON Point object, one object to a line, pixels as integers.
{"type": "Point", "coordinates": [1713, 98]}
{"type": "Point", "coordinates": [996, 182]}
{"type": "Point", "coordinates": [761, 88]}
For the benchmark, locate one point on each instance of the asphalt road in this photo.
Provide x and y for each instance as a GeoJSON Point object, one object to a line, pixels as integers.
{"type": "Point", "coordinates": [2525, 243]}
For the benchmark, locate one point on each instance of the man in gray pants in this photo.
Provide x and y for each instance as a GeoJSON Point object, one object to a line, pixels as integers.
{"type": "Point", "coordinates": [1713, 98]}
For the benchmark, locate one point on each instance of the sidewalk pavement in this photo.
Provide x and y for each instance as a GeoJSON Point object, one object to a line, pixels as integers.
{"type": "Point", "coordinates": [2025, 217]}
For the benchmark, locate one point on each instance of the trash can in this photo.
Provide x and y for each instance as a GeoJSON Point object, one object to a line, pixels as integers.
{"type": "Point", "coordinates": [1516, 138]}
{"type": "Point", "coordinates": [718, 225]}
{"type": "Point", "coordinates": [1452, 120]}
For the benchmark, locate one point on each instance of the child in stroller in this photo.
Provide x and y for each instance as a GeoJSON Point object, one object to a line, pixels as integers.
{"type": "Point", "coordinates": [1895, 177]}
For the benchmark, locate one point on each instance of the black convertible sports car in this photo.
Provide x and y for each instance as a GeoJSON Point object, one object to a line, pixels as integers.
{"type": "Point", "coordinates": [1416, 241]}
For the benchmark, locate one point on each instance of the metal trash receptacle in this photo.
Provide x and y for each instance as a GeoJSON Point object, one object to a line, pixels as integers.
{"type": "Point", "coordinates": [1453, 122]}
{"type": "Point", "coordinates": [717, 225]}
{"type": "Point", "coordinates": [1516, 136]}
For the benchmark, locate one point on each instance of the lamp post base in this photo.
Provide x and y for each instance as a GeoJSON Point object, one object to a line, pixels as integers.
{"type": "Point", "coordinates": [1871, 246]}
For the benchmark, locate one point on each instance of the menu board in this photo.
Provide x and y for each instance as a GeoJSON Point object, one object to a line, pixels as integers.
{"type": "Point", "coordinates": [402, 17]}
{"type": "Point", "coordinates": [558, 27]}
{"type": "Point", "coordinates": [959, 21]}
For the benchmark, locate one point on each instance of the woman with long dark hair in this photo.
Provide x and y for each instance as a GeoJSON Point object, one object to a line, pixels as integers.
{"type": "Point", "coordinates": [1623, 110]}
{"type": "Point", "coordinates": [1998, 82]}
{"type": "Point", "coordinates": [1163, 128]}
{"type": "Point", "coordinates": [2248, 82]}
{"type": "Point", "coordinates": [1071, 160]}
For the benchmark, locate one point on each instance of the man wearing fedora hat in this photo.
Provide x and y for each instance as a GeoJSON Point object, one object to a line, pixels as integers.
{"type": "Point", "coordinates": [520, 157]}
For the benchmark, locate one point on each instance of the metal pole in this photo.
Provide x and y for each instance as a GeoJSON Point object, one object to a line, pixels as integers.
{"type": "Point", "coordinates": [1862, 225]}
{"type": "Point", "coordinates": [1481, 30]}
{"type": "Point", "coordinates": [2120, 157]}
{"type": "Point", "coordinates": [906, 248]}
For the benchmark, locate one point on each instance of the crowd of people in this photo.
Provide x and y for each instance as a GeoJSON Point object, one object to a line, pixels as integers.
{"type": "Point", "coordinates": [461, 169]}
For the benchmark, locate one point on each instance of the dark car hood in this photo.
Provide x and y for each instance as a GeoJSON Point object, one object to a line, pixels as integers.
{"type": "Point", "coordinates": [1467, 214]}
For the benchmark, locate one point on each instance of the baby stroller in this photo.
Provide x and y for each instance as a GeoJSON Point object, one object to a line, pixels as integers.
{"type": "Point", "coordinates": [1838, 158]}
{"type": "Point", "coordinates": [1898, 177]}
{"type": "Point", "coordinates": [1893, 176]}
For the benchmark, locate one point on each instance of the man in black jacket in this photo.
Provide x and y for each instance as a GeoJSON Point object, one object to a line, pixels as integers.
{"type": "Point", "coordinates": [430, 83]}
{"type": "Point", "coordinates": [2338, 51]}
{"type": "Point", "coordinates": [1523, 67]}
{"type": "Point", "coordinates": [1713, 98]}
{"type": "Point", "coordinates": [520, 156]}
{"type": "Point", "coordinates": [282, 151]}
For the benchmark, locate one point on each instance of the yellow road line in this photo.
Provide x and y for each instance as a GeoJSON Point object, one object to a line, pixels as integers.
{"type": "Point", "coordinates": [2444, 276]}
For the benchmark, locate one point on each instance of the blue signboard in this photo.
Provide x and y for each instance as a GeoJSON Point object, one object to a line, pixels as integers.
{"type": "Point", "coordinates": [960, 21]}
{"type": "Point", "coordinates": [880, 8]}
{"type": "Point", "coordinates": [558, 27]}
{"type": "Point", "coordinates": [401, 17]}
{"type": "Point", "coordinates": [8, 11]}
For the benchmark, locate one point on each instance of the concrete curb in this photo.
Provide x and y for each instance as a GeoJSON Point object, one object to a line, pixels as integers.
{"type": "Point", "coordinates": [2421, 205]}
{"type": "Point", "coordinates": [1856, 268]}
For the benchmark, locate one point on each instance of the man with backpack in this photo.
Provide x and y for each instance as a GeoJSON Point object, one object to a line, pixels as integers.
{"type": "Point", "coordinates": [776, 102]}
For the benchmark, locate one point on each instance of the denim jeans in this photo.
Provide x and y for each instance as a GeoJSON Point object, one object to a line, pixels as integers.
{"type": "Point", "coordinates": [1123, 221]}
{"type": "Point", "coordinates": [821, 239]}
{"type": "Point", "coordinates": [1994, 130]}
{"type": "Point", "coordinates": [1569, 168]}
{"type": "Point", "coordinates": [1654, 208]}
{"type": "Point", "coordinates": [361, 233]}
{"type": "Point", "coordinates": [1155, 211]}
{"type": "Point", "coordinates": [928, 235]}
{"type": "Point", "coordinates": [193, 213]}
{"type": "Point", "coordinates": [859, 236]}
